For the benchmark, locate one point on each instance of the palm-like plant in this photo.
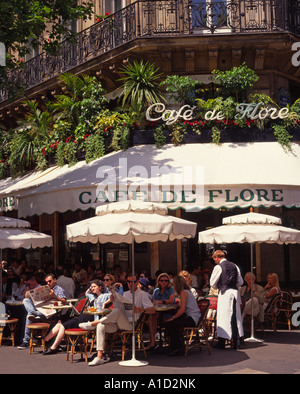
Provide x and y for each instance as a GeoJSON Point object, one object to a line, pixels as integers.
{"type": "Point", "coordinates": [67, 106]}
{"type": "Point", "coordinates": [28, 140]}
{"type": "Point", "coordinates": [141, 86]}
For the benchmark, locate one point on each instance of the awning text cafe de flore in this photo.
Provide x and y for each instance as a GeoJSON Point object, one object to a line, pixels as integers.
{"type": "Point", "coordinates": [192, 176]}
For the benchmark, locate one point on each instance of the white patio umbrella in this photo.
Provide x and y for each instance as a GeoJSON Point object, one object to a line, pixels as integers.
{"type": "Point", "coordinates": [15, 234]}
{"type": "Point", "coordinates": [131, 221]}
{"type": "Point", "coordinates": [251, 228]}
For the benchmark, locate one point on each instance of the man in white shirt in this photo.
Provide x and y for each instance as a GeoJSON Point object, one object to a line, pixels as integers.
{"type": "Point", "coordinates": [66, 283]}
{"type": "Point", "coordinates": [119, 319]}
{"type": "Point", "coordinates": [226, 277]}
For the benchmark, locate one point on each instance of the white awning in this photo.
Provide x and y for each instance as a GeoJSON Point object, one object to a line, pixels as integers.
{"type": "Point", "coordinates": [192, 176]}
{"type": "Point", "coordinates": [12, 188]}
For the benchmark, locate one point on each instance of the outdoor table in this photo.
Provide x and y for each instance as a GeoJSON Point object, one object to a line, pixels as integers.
{"type": "Point", "coordinates": [14, 303]}
{"type": "Point", "coordinates": [99, 312]}
{"type": "Point", "coordinates": [58, 307]}
{"type": "Point", "coordinates": [161, 309]}
{"type": "Point", "coordinates": [72, 300]}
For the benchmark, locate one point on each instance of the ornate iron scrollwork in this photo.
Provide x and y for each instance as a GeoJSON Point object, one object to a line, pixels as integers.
{"type": "Point", "coordinates": [160, 18]}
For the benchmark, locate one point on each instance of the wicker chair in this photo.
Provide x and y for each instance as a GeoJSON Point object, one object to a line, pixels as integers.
{"type": "Point", "coordinates": [212, 317]}
{"type": "Point", "coordinates": [76, 337]}
{"type": "Point", "coordinates": [279, 310]}
{"type": "Point", "coordinates": [194, 336]}
{"type": "Point", "coordinates": [125, 335]}
{"type": "Point", "coordinates": [271, 311]}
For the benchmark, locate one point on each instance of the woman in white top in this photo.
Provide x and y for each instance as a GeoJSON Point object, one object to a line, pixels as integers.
{"type": "Point", "coordinates": [188, 315]}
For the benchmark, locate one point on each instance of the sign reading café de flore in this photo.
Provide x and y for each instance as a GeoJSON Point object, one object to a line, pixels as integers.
{"type": "Point", "coordinates": [193, 187]}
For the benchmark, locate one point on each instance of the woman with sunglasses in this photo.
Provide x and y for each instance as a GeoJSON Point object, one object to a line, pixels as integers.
{"type": "Point", "coordinates": [110, 282]}
{"type": "Point", "coordinates": [162, 295]}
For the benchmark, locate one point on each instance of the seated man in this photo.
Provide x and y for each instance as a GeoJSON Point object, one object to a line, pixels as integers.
{"type": "Point", "coordinates": [258, 298]}
{"type": "Point", "coordinates": [33, 315]}
{"type": "Point", "coordinates": [119, 319]}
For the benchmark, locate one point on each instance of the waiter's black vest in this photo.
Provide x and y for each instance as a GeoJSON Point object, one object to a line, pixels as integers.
{"type": "Point", "coordinates": [228, 278]}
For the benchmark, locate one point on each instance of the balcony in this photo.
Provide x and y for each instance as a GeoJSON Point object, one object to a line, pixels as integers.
{"type": "Point", "coordinates": [160, 19]}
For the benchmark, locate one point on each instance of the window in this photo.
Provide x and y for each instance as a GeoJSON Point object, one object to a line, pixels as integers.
{"type": "Point", "coordinates": [113, 5]}
{"type": "Point", "coordinates": [209, 14]}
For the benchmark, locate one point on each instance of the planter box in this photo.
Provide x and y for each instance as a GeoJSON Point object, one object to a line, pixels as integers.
{"type": "Point", "coordinates": [144, 137]}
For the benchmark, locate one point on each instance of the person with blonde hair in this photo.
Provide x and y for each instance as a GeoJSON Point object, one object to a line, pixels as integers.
{"type": "Point", "coordinates": [188, 315]}
{"type": "Point", "coordinates": [272, 287]}
{"type": "Point", "coordinates": [162, 295]}
{"type": "Point", "coordinates": [188, 278]}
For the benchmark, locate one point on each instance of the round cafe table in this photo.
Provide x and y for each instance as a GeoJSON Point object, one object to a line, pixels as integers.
{"type": "Point", "coordinates": [58, 307]}
{"type": "Point", "coordinates": [161, 309]}
{"type": "Point", "coordinates": [98, 312]}
{"type": "Point", "coordinates": [72, 300]}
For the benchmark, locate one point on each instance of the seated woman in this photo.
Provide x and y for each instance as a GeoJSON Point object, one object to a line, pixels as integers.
{"type": "Point", "coordinates": [110, 283]}
{"type": "Point", "coordinates": [97, 289]}
{"type": "Point", "coordinates": [162, 295]}
{"type": "Point", "coordinates": [188, 315]}
{"type": "Point", "coordinates": [188, 278]}
{"type": "Point", "coordinates": [272, 287]}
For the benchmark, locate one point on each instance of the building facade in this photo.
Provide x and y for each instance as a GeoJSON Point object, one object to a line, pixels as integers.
{"type": "Point", "coordinates": [182, 37]}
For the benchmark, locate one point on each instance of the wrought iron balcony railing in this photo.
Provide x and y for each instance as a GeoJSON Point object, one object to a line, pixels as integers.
{"type": "Point", "coordinates": [161, 18]}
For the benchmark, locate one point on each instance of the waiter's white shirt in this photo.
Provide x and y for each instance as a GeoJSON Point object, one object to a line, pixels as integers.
{"type": "Point", "coordinates": [217, 271]}
{"type": "Point", "coordinates": [225, 304]}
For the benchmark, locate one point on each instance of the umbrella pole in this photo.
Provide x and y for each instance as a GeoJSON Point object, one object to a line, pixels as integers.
{"type": "Point", "coordinates": [252, 338]}
{"type": "Point", "coordinates": [133, 362]}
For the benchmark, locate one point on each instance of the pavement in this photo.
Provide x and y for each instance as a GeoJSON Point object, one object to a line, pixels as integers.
{"type": "Point", "coordinates": [277, 354]}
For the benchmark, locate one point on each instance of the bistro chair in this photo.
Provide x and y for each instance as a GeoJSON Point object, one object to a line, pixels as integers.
{"type": "Point", "coordinates": [285, 308]}
{"type": "Point", "coordinates": [279, 310]}
{"type": "Point", "coordinates": [79, 306]}
{"type": "Point", "coordinates": [125, 335]}
{"type": "Point", "coordinates": [272, 312]}
{"type": "Point", "coordinates": [77, 338]}
{"type": "Point", "coordinates": [37, 331]}
{"type": "Point", "coordinates": [194, 336]}
{"type": "Point", "coordinates": [212, 316]}
{"type": "Point", "coordinates": [11, 324]}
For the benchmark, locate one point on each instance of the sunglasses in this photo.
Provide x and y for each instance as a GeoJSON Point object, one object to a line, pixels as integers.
{"type": "Point", "coordinates": [163, 280]}
{"type": "Point", "coordinates": [107, 280]}
{"type": "Point", "coordinates": [131, 281]}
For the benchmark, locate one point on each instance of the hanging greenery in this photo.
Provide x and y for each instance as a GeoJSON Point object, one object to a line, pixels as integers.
{"type": "Point", "coordinates": [78, 122]}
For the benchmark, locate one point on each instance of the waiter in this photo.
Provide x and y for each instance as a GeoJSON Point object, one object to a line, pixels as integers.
{"type": "Point", "coordinates": [226, 277]}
